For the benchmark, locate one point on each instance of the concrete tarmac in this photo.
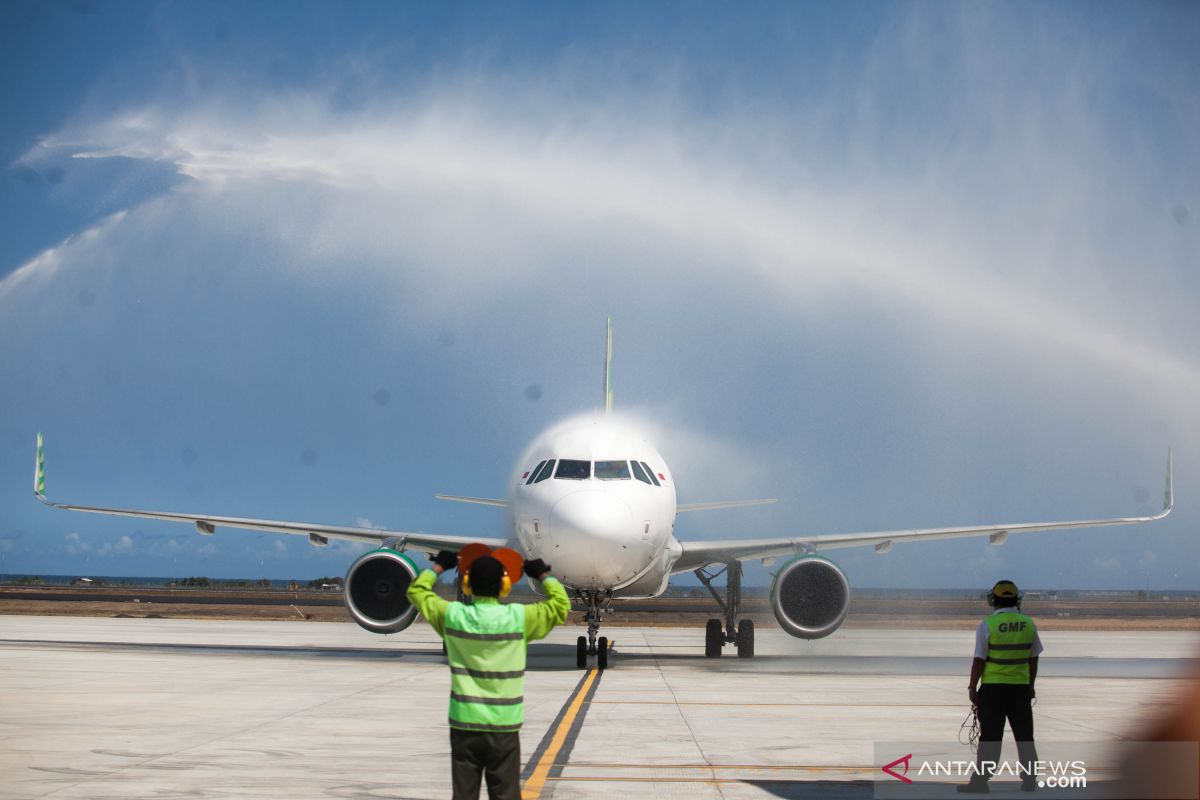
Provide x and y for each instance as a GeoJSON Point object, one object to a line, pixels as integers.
{"type": "Point", "coordinates": [159, 708]}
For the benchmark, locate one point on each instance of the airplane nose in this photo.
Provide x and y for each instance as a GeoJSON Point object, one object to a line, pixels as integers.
{"type": "Point", "coordinates": [591, 532]}
{"type": "Point", "coordinates": [592, 514]}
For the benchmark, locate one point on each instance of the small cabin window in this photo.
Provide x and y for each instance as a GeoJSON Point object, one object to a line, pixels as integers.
{"type": "Point", "coordinates": [612, 470]}
{"type": "Point", "coordinates": [533, 473]}
{"type": "Point", "coordinates": [544, 472]}
{"type": "Point", "coordinates": [640, 473]}
{"type": "Point", "coordinates": [650, 472]}
{"type": "Point", "coordinates": [572, 470]}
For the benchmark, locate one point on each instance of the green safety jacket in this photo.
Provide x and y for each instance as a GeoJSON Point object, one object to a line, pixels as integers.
{"type": "Point", "coordinates": [1010, 645]}
{"type": "Point", "coordinates": [485, 645]}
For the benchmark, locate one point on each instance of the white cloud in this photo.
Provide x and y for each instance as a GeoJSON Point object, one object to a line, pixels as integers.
{"type": "Point", "coordinates": [806, 240]}
{"type": "Point", "coordinates": [341, 549]}
{"type": "Point", "coordinates": [123, 545]}
{"type": "Point", "coordinates": [75, 545]}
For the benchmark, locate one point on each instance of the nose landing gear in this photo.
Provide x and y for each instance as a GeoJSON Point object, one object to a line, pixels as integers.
{"type": "Point", "coordinates": [592, 645]}
{"type": "Point", "coordinates": [716, 634]}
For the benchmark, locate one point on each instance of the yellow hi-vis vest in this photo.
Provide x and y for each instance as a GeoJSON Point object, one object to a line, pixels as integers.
{"type": "Point", "coordinates": [485, 645]}
{"type": "Point", "coordinates": [1010, 645]}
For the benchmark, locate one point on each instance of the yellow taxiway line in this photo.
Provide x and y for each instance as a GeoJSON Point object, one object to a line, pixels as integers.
{"type": "Point", "coordinates": [537, 781]}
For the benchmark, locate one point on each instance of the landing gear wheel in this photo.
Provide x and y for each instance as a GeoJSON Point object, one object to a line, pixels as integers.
{"type": "Point", "coordinates": [714, 639]}
{"type": "Point", "coordinates": [602, 653]}
{"type": "Point", "coordinates": [722, 631]}
{"type": "Point", "coordinates": [581, 652]}
{"type": "Point", "coordinates": [745, 639]}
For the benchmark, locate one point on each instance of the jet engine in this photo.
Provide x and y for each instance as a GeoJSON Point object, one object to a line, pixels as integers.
{"type": "Point", "coordinates": [376, 587]}
{"type": "Point", "coordinates": [810, 596]}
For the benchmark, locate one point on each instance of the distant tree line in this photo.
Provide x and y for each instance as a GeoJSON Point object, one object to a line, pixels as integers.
{"type": "Point", "coordinates": [207, 583]}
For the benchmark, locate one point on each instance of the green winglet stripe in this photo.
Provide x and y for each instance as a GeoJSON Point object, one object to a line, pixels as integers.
{"type": "Point", "coordinates": [39, 484]}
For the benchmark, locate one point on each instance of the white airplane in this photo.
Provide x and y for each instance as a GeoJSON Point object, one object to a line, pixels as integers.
{"type": "Point", "coordinates": [596, 500]}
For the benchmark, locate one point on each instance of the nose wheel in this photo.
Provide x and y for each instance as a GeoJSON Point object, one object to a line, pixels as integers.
{"type": "Point", "coordinates": [593, 644]}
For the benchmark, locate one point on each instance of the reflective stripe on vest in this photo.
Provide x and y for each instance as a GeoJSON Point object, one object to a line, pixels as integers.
{"type": "Point", "coordinates": [1010, 646]}
{"type": "Point", "coordinates": [485, 645]}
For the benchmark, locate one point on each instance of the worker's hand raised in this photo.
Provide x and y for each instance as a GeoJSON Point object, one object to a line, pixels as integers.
{"type": "Point", "coordinates": [536, 569]}
{"type": "Point", "coordinates": [446, 559]}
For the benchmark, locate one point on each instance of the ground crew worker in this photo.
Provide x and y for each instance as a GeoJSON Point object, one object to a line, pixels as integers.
{"type": "Point", "coordinates": [1006, 658]}
{"type": "Point", "coordinates": [485, 647]}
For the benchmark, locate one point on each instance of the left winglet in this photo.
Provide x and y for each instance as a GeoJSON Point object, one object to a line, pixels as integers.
{"type": "Point", "coordinates": [1169, 492]}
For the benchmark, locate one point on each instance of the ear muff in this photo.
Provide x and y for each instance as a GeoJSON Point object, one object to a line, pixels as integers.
{"type": "Point", "coordinates": [505, 586]}
{"type": "Point", "coordinates": [1006, 589]}
{"type": "Point", "coordinates": [509, 559]}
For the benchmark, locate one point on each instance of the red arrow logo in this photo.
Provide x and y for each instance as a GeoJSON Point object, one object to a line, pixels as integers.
{"type": "Point", "coordinates": [902, 760]}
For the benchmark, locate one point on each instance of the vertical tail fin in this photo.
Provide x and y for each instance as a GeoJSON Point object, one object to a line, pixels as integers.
{"type": "Point", "coordinates": [608, 393]}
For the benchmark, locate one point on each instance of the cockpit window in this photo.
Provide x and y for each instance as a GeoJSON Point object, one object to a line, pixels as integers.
{"type": "Point", "coordinates": [639, 473]}
{"type": "Point", "coordinates": [544, 472]}
{"type": "Point", "coordinates": [572, 470]}
{"type": "Point", "coordinates": [650, 472]}
{"type": "Point", "coordinates": [612, 470]}
{"type": "Point", "coordinates": [534, 472]}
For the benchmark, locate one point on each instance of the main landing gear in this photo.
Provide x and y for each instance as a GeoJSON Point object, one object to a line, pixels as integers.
{"type": "Point", "coordinates": [714, 636]}
{"type": "Point", "coordinates": [592, 645]}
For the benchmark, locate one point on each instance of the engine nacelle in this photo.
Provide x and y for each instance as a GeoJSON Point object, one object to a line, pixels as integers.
{"type": "Point", "coordinates": [810, 596]}
{"type": "Point", "coordinates": [376, 591]}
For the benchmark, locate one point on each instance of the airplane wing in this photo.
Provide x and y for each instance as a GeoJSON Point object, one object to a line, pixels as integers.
{"type": "Point", "coordinates": [482, 501]}
{"type": "Point", "coordinates": [684, 507]}
{"type": "Point", "coordinates": [699, 554]}
{"type": "Point", "coordinates": [317, 533]}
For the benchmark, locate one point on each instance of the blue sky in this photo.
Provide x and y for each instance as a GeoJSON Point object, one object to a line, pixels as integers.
{"type": "Point", "coordinates": [899, 265]}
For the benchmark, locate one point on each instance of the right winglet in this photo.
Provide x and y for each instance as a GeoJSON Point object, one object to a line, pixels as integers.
{"type": "Point", "coordinates": [39, 474]}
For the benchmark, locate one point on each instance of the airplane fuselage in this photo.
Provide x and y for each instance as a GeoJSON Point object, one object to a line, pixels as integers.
{"type": "Point", "coordinates": [595, 499]}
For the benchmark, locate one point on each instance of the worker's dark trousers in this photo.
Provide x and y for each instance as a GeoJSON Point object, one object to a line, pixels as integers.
{"type": "Point", "coordinates": [496, 755]}
{"type": "Point", "coordinates": [998, 702]}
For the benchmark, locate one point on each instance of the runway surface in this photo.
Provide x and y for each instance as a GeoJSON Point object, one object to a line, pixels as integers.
{"type": "Point", "coordinates": [141, 708]}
